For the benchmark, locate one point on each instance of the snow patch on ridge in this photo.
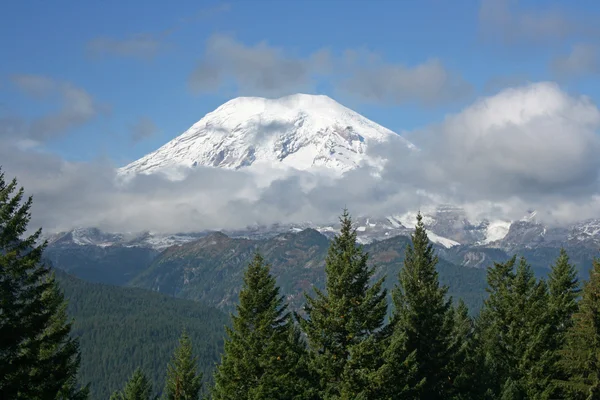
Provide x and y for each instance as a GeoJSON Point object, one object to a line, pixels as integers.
{"type": "Point", "coordinates": [496, 230]}
{"type": "Point", "coordinates": [447, 243]}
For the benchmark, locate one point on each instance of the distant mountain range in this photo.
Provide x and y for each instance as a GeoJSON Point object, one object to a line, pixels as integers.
{"type": "Point", "coordinates": [447, 226]}
{"type": "Point", "coordinates": [209, 266]}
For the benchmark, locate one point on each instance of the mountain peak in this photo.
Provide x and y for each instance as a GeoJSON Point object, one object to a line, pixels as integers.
{"type": "Point", "coordinates": [298, 100]}
{"type": "Point", "coordinates": [301, 131]}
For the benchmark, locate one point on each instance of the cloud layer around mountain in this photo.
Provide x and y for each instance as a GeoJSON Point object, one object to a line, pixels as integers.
{"type": "Point", "coordinates": [530, 147]}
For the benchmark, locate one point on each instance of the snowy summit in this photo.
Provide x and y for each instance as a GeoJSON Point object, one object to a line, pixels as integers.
{"type": "Point", "coordinates": [299, 131]}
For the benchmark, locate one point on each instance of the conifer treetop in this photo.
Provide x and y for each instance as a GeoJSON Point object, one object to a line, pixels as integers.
{"type": "Point", "coordinates": [183, 380]}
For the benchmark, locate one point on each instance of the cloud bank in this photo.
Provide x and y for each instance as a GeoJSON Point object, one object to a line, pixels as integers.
{"type": "Point", "coordinates": [77, 107]}
{"type": "Point", "coordinates": [529, 147]}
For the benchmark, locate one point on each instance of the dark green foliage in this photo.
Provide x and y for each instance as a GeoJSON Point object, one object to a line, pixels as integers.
{"type": "Point", "coordinates": [422, 316]}
{"type": "Point", "coordinates": [39, 360]}
{"type": "Point", "coordinates": [563, 290]}
{"type": "Point", "coordinates": [464, 366]}
{"type": "Point", "coordinates": [581, 355]}
{"type": "Point", "coordinates": [515, 329]}
{"type": "Point", "coordinates": [183, 380]}
{"type": "Point", "coordinates": [343, 322]}
{"type": "Point", "coordinates": [122, 328]}
{"type": "Point", "coordinates": [138, 387]}
{"type": "Point", "coordinates": [398, 376]}
{"type": "Point", "coordinates": [264, 354]}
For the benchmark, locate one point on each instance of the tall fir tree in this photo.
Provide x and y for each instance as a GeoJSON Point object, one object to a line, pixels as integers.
{"type": "Point", "coordinates": [423, 316]}
{"type": "Point", "coordinates": [515, 329]}
{"type": "Point", "coordinates": [581, 354]}
{"type": "Point", "coordinates": [138, 387]}
{"type": "Point", "coordinates": [264, 356]}
{"type": "Point", "coordinates": [39, 358]}
{"type": "Point", "coordinates": [563, 290]}
{"type": "Point", "coordinates": [464, 365]}
{"type": "Point", "coordinates": [183, 380]}
{"type": "Point", "coordinates": [343, 323]}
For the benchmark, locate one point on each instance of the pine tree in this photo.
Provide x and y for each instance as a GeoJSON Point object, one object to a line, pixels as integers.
{"type": "Point", "coordinates": [494, 318]}
{"type": "Point", "coordinates": [264, 352]}
{"type": "Point", "coordinates": [398, 376]}
{"type": "Point", "coordinates": [563, 289]}
{"type": "Point", "coordinates": [39, 358]}
{"type": "Point", "coordinates": [138, 387]}
{"type": "Point", "coordinates": [422, 315]}
{"type": "Point", "coordinates": [515, 333]}
{"type": "Point", "coordinates": [463, 366]}
{"type": "Point", "coordinates": [581, 355]}
{"type": "Point", "coordinates": [183, 381]}
{"type": "Point", "coordinates": [342, 323]}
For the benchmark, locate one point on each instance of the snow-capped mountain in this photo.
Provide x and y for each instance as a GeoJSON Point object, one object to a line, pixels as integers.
{"type": "Point", "coordinates": [300, 131]}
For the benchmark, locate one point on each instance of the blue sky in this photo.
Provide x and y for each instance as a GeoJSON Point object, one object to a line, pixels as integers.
{"type": "Point", "coordinates": [149, 69]}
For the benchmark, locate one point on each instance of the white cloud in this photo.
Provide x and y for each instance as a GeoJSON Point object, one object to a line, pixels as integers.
{"type": "Point", "coordinates": [583, 59]}
{"type": "Point", "coordinates": [371, 79]}
{"type": "Point", "coordinates": [77, 107]}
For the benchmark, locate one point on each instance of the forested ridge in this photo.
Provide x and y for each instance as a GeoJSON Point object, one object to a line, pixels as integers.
{"type": "Point", "coordinates": [533, 338]}
{"type": "Point", "coordinates": [120, 329]}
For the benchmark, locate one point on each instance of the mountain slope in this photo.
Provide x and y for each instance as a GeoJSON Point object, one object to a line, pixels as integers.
{"type": "Point", "coordinates": [120, 329]}
{"type": "Point", "coordinates": [211, 269]}
{"type": "Point", "coordinates": [300, 131]}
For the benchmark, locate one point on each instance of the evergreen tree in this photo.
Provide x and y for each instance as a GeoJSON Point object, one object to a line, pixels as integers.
{"type": "Point", "coordinates": [515, 333]}
{"type": "Point", "coordinates": [563, 289]}
{"type": "Point", "coordinates": [422, 316]}
{"type": "Point", "coordinates": [137, 388]}
{"type": "Point", "coordinates": [581, 355]}
{"type": "Point", "coordinates": [39, 358]}
{"type": "Point", "coordinates": [463, 367]}
{"type": "Point", "coordinates": [183, 380]}
{"type": "Point", "coordinates": [343, 323]}
{"type": "Point", "coordinates": [264, 352]}
{"type": "Point", "coordinates": [398, 377]}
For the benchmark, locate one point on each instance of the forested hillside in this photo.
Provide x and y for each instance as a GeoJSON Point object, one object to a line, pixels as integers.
{"type": "Point", "coordinates": [120, 329]}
